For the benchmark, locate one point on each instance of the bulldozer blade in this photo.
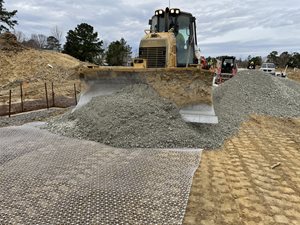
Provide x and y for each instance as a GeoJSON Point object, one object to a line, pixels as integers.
{"type": "Point", "coordinates": [188, 88]}
{"type": "Point", "coordinates": [200, 113]}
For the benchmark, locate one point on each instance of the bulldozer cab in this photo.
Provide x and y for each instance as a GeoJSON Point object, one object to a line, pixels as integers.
{"type": "Point", "coordinates": [182, 24]}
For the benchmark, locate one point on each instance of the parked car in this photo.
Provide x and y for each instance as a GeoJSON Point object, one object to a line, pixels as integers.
{"type": "Point", "coordinates": [268, 68]}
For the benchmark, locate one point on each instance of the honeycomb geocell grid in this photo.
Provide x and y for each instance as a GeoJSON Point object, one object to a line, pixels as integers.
{"type": "Point", "coordinates": [50, 179]}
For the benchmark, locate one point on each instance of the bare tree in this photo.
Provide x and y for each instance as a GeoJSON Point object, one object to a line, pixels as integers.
{"type": "Point", "coordinates": [31, 43]}
{"type": "Point", "coordinates": [20, 36]}
{"type": "Point", "coordinates": [57, 33]}
{"type": "Point", "coordinates": [40, 39]}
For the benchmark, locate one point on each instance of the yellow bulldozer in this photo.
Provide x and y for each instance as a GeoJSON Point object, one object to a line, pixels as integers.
{"type": "Point", "coordinates": [169, 62]}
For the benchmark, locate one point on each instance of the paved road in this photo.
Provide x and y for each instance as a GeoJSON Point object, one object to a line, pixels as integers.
{"type": "Point", "coordinates": [50, 179]}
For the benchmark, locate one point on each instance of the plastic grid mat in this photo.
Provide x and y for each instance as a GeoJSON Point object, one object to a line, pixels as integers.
{"type": "Point", "coordinates": [50, 179]}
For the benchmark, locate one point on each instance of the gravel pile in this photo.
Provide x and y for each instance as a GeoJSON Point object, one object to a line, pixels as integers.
{"type": "Point", "coordinates": [138, 117]}
{"type": "Point", "coordinates": [134, 117]}
{"type": "Point", "coordinates": [250, 92]}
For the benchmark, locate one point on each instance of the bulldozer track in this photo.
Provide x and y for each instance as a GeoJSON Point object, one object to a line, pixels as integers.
{"type": "Point", "coordinates": [237, 185]}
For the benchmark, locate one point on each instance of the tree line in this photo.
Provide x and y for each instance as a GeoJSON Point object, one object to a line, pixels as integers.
{"type": "Point", "coordinates": [279, 59]}
{"type": "Point", "coordinates": [41, 41]}
{"type": "Point", "coordinates": [82, 43]}
{"type": "Point", "coordinates": [284, 59]}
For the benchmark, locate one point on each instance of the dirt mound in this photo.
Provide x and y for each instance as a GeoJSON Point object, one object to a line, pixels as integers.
{"type": "Point", "coordinates": [33, 68]}
{"type": "Point", "coordinates": [8, 42]}
{"type": "Point", "coordinates": [31, 65]}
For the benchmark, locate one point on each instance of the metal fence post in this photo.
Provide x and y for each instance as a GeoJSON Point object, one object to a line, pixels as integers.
{"type": "Point", "coordinates": [75, 94]}
{"type": "Point", "coordinates": [46, 92]}
{"type": "Point", "coordinates": [53, 95]}
{"type": "Point", "coordinates": [9, 104]}
{"type": "Point", "coordinates": [21, 90]}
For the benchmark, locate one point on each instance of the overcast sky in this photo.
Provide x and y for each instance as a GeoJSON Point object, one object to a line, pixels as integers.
{"type": "Point", "coordinates": [233, 27]}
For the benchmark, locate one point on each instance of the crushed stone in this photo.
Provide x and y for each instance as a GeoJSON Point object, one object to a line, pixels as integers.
{"type": "Point", "coordinates": [32, 116]}
{"type": "Point", "coordinates": [137, 117]}
{"type": "Point", "coordinates": [134, 117]}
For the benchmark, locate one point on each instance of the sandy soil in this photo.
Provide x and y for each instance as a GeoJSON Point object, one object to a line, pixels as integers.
{"type": "Point", "coordinates": [183, 87]}
{"type": "Point", "coordinates": [236, 185]}
{"type": "Point", "coordinates": [33, 68]}
{"type": "Point", "coordinates": [294, 75]}
{"type": "Point", "coordinates": [31, 65]}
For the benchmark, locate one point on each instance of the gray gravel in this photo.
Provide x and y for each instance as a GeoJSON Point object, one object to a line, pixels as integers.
{"type": "Point", "coordinates": [137, 117]}
{"type": "Point", "coordinates": [250, 92]}
{"type": "Point", "coordinates": [134, 117]}
{"type": "Point", "coordinates": [22, 118]}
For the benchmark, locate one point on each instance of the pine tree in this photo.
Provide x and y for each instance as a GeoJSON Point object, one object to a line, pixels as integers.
{"type": "Point", "coordinates": [6, 18]}
{"type": "Point", "coordinates": [83, 43]}
{"type": "Point", "coordinates": [52, 43]}
{"type": "Point", "coordinates": [118, 53]}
